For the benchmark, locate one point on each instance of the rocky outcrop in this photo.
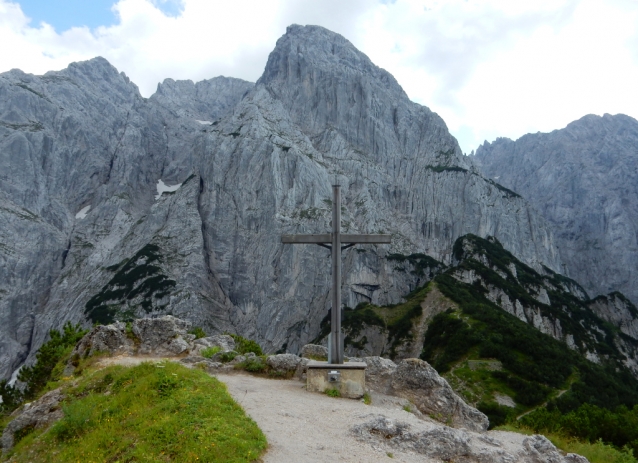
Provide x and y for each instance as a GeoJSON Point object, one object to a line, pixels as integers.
{"type": "Point", "coordinates": [166, 335]}
{"type": "Point", "coordinates": [205, 102]}
{"type": "Point", "coordinates": [37, 414]}
{"type": "Point", "coordinates": [163, 336]}
{"type": "Point", "coordinates": [283, 363]}
{"type": "Point", "coordinates": [617, 310]}
{"type": "Point", "coordinates": [314, 352]}
{"type": "Point", "coordinates": [448, 444]}
{"type": "Point", "coordinates": [224, 342]}
{"type": "Point", "coordinates": [81, 154]}
{"type": "Point", "coordinates": [584, 180]}
{"type": "Point", "coordinates": [416, 381]}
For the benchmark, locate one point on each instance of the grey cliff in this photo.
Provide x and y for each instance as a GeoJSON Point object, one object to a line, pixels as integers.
{"type": "Point", "coordinates": [584, 181]}
{"type": "Point", "coordinates": [253, 162]}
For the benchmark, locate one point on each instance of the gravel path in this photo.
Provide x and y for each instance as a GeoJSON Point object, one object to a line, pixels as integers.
{"type": "Point", "coordinates": [310, 427]}
{"type": "Point", "coordinates": [306, 427]}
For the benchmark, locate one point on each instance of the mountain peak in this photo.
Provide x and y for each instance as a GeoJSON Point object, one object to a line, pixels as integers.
{"type": "Point", "coordinates": [325, 52]}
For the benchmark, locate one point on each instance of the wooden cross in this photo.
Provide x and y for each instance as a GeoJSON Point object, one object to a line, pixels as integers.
{"type": "Point", "coordinates": [334, 241]}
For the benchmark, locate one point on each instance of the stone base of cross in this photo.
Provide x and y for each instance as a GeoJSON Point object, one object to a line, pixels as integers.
{"type": "Point", "coordinates": [336, 242]}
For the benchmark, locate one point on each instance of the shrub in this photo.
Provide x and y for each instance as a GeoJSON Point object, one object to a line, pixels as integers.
{"type": "Point", "coordinates": [253, 365]}
{"type": "Point", "coordinates": [589, 422]}
{"type": "Point", "coordinates": [198, 332]}
{"type": "Point", "coordinates": [497, 414]}
{"type": "Point", "coordinates": [11, 397]}
{"type": "Point", "coordinates": [51, 352]}
{"type": "Point", "coordinates": [229, 356]}
{"type": "Point", "coordinates": [210, 351]}
{"type": "Point", "coordinates": [245, 346]}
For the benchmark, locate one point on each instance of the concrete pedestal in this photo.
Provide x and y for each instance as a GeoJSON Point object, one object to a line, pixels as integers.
{"type": "Point", "coordinates": [348, 378]}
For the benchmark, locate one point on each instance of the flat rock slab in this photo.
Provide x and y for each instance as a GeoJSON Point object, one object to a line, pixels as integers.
{"type": "Point", "coordinates": [310, 427]}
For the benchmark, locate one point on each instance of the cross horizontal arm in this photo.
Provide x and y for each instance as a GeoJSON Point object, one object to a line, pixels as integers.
{"type": "Point", "coordinates": [306, 239]}
{"type": "Point", "coordinates": [327, 238]}
{"type": "Point", "coordinates": [365, 239]}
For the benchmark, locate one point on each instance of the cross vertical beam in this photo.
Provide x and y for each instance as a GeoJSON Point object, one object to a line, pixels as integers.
{"type": "Point", "coordinates": [333, 241]}
{"type": "Point", "coordinates": [336, 351]}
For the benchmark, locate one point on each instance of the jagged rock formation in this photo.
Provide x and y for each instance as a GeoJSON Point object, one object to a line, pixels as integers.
{"type": "Point", "coordinates": [448, 444]}
{"type": "Point", "coordinates": [209, 251]}
{"type": "Point", "coordinates": [584, 180]}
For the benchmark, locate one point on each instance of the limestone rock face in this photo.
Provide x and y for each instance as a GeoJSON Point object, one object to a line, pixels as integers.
{"type": "Point", "coordinates": [617, 310]}
{"type": "Point", "coordinates": [87, 239]}
{"type": "Point", "coordinates": [584, 181]}
{"type": "Point", "coordinates": [205, 101]}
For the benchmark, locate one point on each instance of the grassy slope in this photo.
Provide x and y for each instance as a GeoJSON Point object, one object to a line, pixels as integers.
{"type": "Point", "coordinates": [152, 412]}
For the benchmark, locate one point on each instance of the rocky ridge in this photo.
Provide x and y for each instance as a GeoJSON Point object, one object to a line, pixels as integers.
{"type": "Point", "coordinates": [464, 438]}
{"type": "Point", "coordinates": [210, 251]}
{"type": "Point", "coordinates": [583, 179]}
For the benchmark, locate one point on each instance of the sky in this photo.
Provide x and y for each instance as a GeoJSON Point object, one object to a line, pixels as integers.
{"type": "Point", "coordinates": [489, 68]}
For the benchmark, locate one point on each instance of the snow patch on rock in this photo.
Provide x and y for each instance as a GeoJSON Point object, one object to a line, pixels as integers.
{"type": "Point", "coordinates": [163, 188]}
{"type": "Point", "coordinates": [82, 213]}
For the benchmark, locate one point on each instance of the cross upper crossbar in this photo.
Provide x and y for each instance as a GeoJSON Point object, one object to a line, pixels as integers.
{"type": "Point", "coordinates": [333, 241]}
{"type": "Point", "coordinates": [327, 239]}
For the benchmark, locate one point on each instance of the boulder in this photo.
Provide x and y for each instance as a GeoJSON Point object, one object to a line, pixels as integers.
{"type": "Point", "coordinates": [37, 414]}
{"type": "Point", "coordinates": [442, 443]}
{"type": "Point", "coordinates": [165, 335]}
{"type": "Point", "coordinates": [223, 341]}
{"type": "Point", "coordinates": [283, 362]}
{"type": "Point", "coordinates": [540, 450]}
{"type": "Point", "coordinates": [379, 373]}
{"type": "Point", "coordinates": [416, 381]}
{"type": "Point", "coordinates": [314, 352]}
{"type": "Point", "coordinates": [105, 338]}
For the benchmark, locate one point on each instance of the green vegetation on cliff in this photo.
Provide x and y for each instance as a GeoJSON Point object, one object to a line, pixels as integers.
{"type": "Point", "coordinates": [138, 277]}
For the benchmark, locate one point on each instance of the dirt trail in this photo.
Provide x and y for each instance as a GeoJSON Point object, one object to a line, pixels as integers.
{"type": "Point", "coordinates": [310, 427]}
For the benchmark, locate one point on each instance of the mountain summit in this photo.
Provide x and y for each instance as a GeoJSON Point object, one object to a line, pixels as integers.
{"type": "Point", "coordinates": [87, 237]}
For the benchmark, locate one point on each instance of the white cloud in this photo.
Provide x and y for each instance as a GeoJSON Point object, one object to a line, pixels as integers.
{"type": "Point", "coordinates": [488, 67]}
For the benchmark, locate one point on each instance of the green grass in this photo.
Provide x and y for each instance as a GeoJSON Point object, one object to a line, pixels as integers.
{"type": "Point", "coordinates": [332, 392]}
{"type": "Point", "coordinates": [151, 412]}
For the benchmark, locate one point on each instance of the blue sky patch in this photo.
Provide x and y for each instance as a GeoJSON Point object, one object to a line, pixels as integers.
{"type": "Point", "coordinates": [169, 7]}
{"type": "Point", "coordinates": [65, 14]}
